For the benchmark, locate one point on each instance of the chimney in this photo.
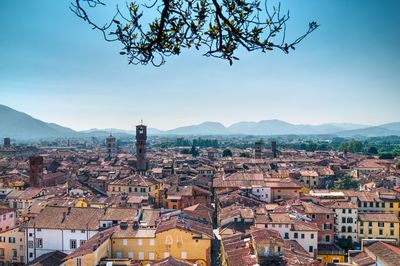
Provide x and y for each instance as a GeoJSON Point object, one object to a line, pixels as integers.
{"type": "Point", "coordinates": [64, 217]}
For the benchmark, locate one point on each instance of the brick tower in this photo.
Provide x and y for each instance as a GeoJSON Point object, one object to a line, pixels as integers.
{"type": "Point", "coordinates": [111, 147]}
{"type": "Point", "coordinates": [141, 137]}
{"type": "Point", "coordinates": [36, 171]}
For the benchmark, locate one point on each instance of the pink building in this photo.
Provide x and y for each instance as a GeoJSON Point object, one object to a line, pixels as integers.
{"type": "Point", "coordinates": [7, 219]}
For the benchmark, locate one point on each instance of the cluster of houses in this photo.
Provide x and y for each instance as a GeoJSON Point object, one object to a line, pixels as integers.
{"type": "Point", "coordinates": [107, 206]}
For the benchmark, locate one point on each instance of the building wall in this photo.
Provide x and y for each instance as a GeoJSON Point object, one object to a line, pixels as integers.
{"type": "Point", "coordinates": [263, 193]}
{"type": "Point", "coordinates": [346, 214]}
{"type": "Point", "coordinates": [174, 242]}
{"type": "Point", "coordinates": [104, 250]}
{"type": "Point", "coordinates": [9, 248]}
{"type": "Point", "coordinates": [387, 230]}
{"type": "Point", "coordinates": [285, 193]}
{"type": "Point", "coordinates": [331, 258]}
{"type": "Point", "coordinates": [54, 239]}
{"type": "Point", "coordinates": [7, 220]}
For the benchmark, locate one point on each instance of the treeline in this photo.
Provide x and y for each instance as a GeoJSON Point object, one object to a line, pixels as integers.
{"type": "Point", "coordinates": [199, 142]}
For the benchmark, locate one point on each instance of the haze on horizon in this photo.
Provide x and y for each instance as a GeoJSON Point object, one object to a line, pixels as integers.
{"type": "Point", "coordinates": [55, 68]}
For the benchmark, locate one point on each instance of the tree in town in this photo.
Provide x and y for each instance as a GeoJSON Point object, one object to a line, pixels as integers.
{"type": "Point", "coordinates": [227, 153]}
{"type": "Point", "coordinates": [372, 150]}
{"type": "Point", "coordinates": [346, 182]}
{"type": "Point", "coordinates": [149, 32]}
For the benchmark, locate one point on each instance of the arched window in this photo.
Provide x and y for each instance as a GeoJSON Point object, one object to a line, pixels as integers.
{"type": "Point", "coordinates": [349, 229]}
{"type": "Point", "coordinates": [343, 229]}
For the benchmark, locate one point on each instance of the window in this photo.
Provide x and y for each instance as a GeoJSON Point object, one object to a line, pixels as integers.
{"type": "Point", "coordinates": [296, 235]}
{"type": "Point", "coordinates": [391, 205]}
{"type": "Point", "coordinates": [312, 236]}
{"type": "Point", "coordinates": [328, 216]}
{"type": "Point", "coordinates": [83, 231]}
{"type": "Point", "coordinates": [130, 255]}
{"type": "Point", "coordinates": [302, 236]}
{"type": "Point", "coordinates": [380, 231]}
{"type": "Point", "coordinates": [343, 229]}
{"type": "Point", "coordinates": [30, 244]}
{"type": "Point", "coordinates": [140, 242]}
{"type": "Point", "coordinates": [72, 244]}
{"type": "Point", "coordinates": [2, 239]}
{"type": "Point", "coordinates": [119, 255]}
{"type": "Point", "coordinates": [343, 210]}
{"type": "Point", "coordinates": [1, 252]}
{"type": "Point", "coordinates": [327, 238]}
{"type": "Point", "coordinates": [350, 210]}
{"type": "Point", "coordinates": [349, 229]}
{"type": "Point", "coordinates": [81, 242]}
{"type": "Point", "coordinates": [370, 223]}
{"type": "Point", "coordinates": [361, 231]}
{"type": "Point", "coordinates": [286, 235]}
{"type": "Point", "coordinates": [166, 255]}
{"type": "Point", "coordinates": [39, 243]}
{"type": "Point", "coordinates": [391, 224]}
{"type": "Point", "coordinates": [78, 262]}
{"type": "Point", "coordinates": [371, 204]}
{"type": "Point", "coordinates": [151, 242]}
{"type": "Point", "coordinates": [383, 205]}
{"type": "Point", "coordinates": [124, 242]}
{"type": "Point", "coordinates": [73, 231]}
{"type": "Point", "coordinates": [391, 232]}
{"type": "Point", "coordinates": [11, 239]}
{"type": "Point", "coordinates": [141, 255]}
{"type": "Point", "coordinates": [365, 204]}
{"type": "Point", "coordinates": [343, 220]}
{"type": "Point", "coordinates": [151, 255]}
{"type": "Point", "coordinates": [349, 220]}
{"type": "Point", "coordinates": [310, 249]}
{"type": "Point", "coordinates": [183, 255]}
{"type": "Point", "coordinates": [370, 231]}
{"type": "Point", "coordinates": [14, 254]}
{"type": "Point", "coordinates": [381, 224]}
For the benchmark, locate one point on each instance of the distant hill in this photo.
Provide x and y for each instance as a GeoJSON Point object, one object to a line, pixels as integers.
{"type": "Point", "coordinates": [378, 131]}
{"type": "Point", "coordinates": [206, 128]}
{"type": "Point", "coordinates": [392, 126]}
{"type": "Point", "coordinates": [279, 127]}
{"type": "Point", "coordinates": [20, 125]}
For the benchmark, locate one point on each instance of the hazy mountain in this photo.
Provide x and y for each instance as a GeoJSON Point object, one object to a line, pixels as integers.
{"type": "Point", "coordinates": [392, 126]}
{"type": "Point", "coordinates": [278, 127]}
{"type": "Point", "coordinates": [109, 130]}
{"type": "Point", "coordinates": [20, 125]}
{"type": "Point", "coordinates": [378, 131]}
{"type": "Point", "coordinates": [206, 128]}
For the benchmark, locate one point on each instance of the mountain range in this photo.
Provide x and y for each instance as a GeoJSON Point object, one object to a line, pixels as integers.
{"type": "Point", "coordinates": [19, 125]}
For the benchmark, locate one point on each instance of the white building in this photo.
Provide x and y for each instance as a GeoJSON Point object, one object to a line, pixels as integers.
{"type": "Point", "coordinates": [294, 227]}
{"type": "Point", "coordinates": [262, 193]}
{"type": "Point", "coordinates": [346, 214]}
{"type": "Point", "coordinates": [65, 228]}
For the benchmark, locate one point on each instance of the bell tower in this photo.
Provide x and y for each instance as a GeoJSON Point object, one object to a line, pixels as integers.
{"type": "Point", "coordinates": [141, 137]}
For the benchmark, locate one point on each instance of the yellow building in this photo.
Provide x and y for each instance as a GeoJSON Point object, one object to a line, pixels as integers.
{"type": "Point", "coordinates": [93, 250]}
{"type": "Point", "coordinates": [330, 253]}
{"type": "Point", "coordinates": [177, 237]}
{"type": "Point", "coordinates": [378, 225]}
{"type": "Point", "coordinates": [12, 247]}
{"type": "Point", "coordinates": [137, 185]}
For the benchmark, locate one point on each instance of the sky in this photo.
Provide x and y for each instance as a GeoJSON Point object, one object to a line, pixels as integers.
{"type": "Point", "coordinates": [54, 67]}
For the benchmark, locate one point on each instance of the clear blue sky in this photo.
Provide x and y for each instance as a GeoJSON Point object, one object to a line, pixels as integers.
{"type": "Point", "coordinates": [55, 68]}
